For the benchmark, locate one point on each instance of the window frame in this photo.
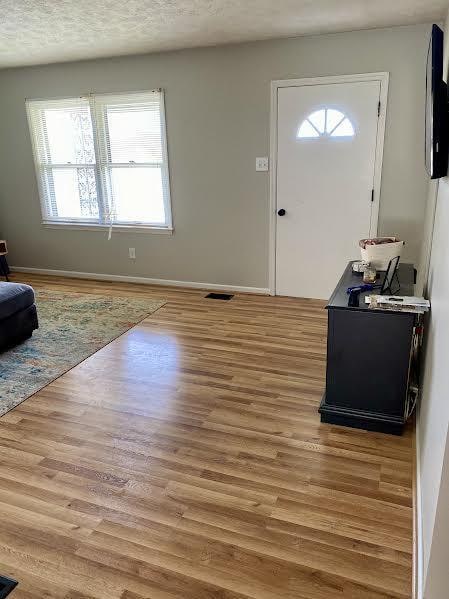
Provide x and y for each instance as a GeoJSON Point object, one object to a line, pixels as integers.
{"type": "Point", "coordinates": [102, 222]}
{"type": "Point", "coordinates": [325, 133]}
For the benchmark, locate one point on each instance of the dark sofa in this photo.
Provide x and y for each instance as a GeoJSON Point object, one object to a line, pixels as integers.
{"type": "Point", "coordinates": [18, 314]}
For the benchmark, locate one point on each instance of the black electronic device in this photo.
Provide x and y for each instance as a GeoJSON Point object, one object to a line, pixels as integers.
{"type": "Point", "coordinates": [437, 115]}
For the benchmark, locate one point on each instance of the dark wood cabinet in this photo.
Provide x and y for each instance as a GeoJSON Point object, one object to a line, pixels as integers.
{"type": "Point", "coordinates": [368, 359]}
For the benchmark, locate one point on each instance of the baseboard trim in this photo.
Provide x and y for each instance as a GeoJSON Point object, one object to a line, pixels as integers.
{"type": "Point", "coordinates": [73, 274]}
{"type": "Point", "coordinates": [418, 557]}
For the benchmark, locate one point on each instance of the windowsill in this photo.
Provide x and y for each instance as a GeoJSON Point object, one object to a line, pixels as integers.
{"type": "Point", "coordinates": [115, 228]}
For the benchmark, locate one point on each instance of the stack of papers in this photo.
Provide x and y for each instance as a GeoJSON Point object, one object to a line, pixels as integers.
{"type": "Point", "coordinates": [401, 303]}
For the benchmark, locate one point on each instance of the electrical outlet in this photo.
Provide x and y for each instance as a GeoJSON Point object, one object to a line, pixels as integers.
{"type": "Point", "coordinates": [132, 253]}
{"type": "Point", "coordinates": [262, 163]}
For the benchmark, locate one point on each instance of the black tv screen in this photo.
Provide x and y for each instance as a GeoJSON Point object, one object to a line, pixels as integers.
{"type": "Point", "coordinates": [437, 143]}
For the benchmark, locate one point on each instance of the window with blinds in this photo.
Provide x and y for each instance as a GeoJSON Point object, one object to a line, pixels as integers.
{"type": "Point", "coordinates": [102, 160]}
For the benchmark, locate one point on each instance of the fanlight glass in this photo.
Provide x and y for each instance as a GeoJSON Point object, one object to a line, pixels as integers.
{"type": "Point", "coordinates": [326, 122]}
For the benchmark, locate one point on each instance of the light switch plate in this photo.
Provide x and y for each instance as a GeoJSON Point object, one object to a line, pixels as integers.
{"type": "Point", "coordinates": [262, 163]}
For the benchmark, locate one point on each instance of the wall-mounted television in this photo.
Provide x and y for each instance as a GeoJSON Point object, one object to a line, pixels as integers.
{"type": "Point", "coordinates": [437, 116]}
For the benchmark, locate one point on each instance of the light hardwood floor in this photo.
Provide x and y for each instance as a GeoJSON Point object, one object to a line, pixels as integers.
{"type": "Point", "coordinates": [187, 460]}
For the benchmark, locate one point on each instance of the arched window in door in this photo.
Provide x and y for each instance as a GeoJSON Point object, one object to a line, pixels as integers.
{"type": "Point", "coordinates": [326, 122]}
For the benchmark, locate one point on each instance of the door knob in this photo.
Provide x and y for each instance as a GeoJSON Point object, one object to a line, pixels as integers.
{"type": "Point", "coordinates": [281, 212]}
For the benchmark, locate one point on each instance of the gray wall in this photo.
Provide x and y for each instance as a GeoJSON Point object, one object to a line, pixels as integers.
{"type": "Point", "coordinates": [437, 577]}
{"type": "Point", "coordinates": [218, 105]}
{"type": "Point", "coordinates": [433, 416]}
{"type": "Point", "coordinates": [434, 410]}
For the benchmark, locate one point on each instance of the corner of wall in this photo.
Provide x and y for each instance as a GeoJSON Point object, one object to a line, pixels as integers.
{"type": "Point", "coordinates": [426, 246]}
{"type": "Point", "coordinates": [418, 553]}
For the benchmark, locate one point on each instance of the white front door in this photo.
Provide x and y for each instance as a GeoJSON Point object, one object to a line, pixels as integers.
{"type": "Point", "coordinates": [326, 153]}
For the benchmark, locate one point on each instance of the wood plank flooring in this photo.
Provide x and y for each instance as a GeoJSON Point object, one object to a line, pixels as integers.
{"type": "Point", "coordinates": [186, 460]}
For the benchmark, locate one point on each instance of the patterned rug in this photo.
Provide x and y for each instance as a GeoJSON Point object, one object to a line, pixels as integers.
{"type": "Point", "coordinates": [72, 326]}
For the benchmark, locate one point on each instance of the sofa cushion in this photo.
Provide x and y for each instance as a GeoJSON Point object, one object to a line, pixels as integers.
{"type": "Point", "coordinates": [14, 297]}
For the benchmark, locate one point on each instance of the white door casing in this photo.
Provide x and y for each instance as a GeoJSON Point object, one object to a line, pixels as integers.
{"type": "Point", "coordinates": [323, 175]}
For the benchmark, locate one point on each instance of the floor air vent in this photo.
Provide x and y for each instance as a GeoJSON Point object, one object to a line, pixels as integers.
{"type": "Point", "coordinates": [219, 296]}
{"type": "Point", "coordinates": [6, 586]}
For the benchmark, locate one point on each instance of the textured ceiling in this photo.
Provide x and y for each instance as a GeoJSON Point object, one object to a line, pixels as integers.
{"type": "Point", "coordinates": [45, 31]}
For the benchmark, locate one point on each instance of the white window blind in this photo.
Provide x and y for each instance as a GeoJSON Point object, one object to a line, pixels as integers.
{"type": "Point", "coordinates": [102, 159]}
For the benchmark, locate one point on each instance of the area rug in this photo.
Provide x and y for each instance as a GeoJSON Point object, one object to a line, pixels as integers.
{"type": "Point", "coordinates": [72, 326]}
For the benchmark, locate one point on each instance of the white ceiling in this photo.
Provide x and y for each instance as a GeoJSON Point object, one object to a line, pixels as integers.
{"type": "Point", "coordinates": [45, 31]}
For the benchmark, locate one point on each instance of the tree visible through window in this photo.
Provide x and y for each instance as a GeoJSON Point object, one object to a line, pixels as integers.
{"type": "Point", "coordinates": [326, 122]}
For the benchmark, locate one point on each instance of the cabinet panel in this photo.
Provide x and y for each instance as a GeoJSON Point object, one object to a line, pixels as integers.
{"type": "Point", "coordinates": [368, 360]}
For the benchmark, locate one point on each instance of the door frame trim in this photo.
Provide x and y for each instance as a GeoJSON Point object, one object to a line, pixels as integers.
{"type": "Point", "coordinates": [383, 78]}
